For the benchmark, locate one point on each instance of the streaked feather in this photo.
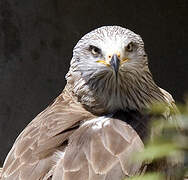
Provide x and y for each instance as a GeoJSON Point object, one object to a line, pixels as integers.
{"type": "Point", "coordinates": [93, 128]}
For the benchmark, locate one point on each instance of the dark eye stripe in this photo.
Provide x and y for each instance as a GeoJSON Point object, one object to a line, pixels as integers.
{"type": "Point", "coordinates": [95, 49]}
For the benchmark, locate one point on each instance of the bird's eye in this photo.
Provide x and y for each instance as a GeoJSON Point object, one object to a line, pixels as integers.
{"type": "Point", "coordinates": [94, 50]}
{"type": "Point", "coordinates": [129, 47]}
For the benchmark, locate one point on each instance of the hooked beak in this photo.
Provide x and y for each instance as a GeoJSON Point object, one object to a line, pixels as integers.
{"type": "Point", "coordinates": [115, 62]}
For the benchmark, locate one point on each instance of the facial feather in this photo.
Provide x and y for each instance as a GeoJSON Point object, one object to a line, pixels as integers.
{"type": "Point", "coordinates": [98, 88]}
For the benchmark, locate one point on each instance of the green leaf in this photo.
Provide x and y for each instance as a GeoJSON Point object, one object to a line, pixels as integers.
{"type": "Point", "coordinates": [156, 151]}
{"type": "Point", "coordinates": [149, 176]}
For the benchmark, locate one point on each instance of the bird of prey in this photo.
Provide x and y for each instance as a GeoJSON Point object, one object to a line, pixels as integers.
{"type": "Point", "coordinates": [94, 126]}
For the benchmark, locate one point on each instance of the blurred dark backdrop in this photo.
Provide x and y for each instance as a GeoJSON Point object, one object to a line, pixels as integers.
{"type": "Point", "coordinates": [37, 37]}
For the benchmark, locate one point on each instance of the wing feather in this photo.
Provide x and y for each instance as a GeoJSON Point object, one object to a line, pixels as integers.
{"type": "Point", "coordinates": [91, 153]}
{"type": "Point", "coordinates": [33, 150]}
{"type": "Point", "coordinates": [97, 150]}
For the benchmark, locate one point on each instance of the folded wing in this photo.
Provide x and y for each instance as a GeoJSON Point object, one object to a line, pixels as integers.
{"type": "Point", "coordinates": [101, 149]}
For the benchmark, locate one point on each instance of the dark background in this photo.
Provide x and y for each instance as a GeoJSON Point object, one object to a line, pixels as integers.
{"type": "Point", "coordinates": [37, 37]}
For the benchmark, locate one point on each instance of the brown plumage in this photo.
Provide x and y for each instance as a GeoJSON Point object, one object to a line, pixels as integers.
{"type": "Point", "coordinates": [83, 135]}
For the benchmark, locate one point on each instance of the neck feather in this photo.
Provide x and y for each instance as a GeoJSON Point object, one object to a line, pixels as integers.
{"type": "Point", "coordinates": [105, 94]}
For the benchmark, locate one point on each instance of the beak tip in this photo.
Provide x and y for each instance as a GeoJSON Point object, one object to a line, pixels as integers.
{"type": "Point", "coordinates": [115, 63]}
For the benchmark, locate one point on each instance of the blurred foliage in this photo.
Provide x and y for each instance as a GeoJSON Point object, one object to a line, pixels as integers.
{"type": "Point", "coordinates": [148, 176]}
{"type": "Point", "coordinates": [168, 141]}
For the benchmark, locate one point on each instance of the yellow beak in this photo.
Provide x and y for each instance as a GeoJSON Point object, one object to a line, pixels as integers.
{"type": "Point", "coordinates": [108, 60]}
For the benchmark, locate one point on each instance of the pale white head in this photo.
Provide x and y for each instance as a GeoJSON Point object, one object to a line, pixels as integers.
{"type": "Point", "coordinates": [109, 71]}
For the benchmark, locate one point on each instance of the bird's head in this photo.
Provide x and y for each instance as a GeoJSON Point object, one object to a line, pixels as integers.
{"type": "Point", "coordinates": [110, 48]}
{"type": "Point", "coordinates": [108, 62]}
